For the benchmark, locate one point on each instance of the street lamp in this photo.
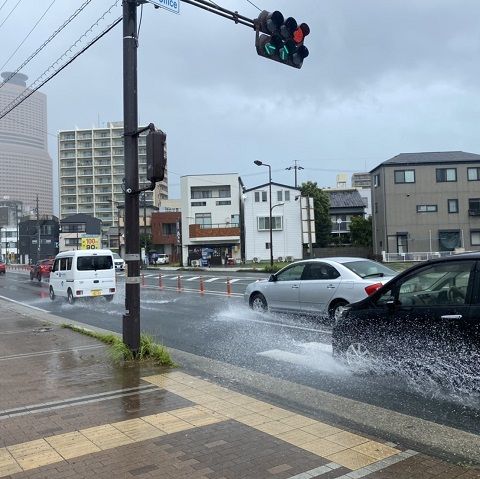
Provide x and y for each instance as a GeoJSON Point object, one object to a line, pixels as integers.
{"type": "Point", "coordinates": [260, 163]}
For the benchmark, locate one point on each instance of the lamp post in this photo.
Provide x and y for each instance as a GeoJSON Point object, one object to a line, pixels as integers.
{"type": "Point", "coordinates": [260, 163]}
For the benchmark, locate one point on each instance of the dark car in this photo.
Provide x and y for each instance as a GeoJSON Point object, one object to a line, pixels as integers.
{"type": "Point", "coordinates": [3, 267]}
{"type": "Point", "coordinates": [430, 312]}
{"type": "Point", "coordinates": [41, 269]}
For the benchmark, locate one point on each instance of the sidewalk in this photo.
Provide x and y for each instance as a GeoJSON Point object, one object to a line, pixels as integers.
{"type": "Point", "coordinates": [67, 412]}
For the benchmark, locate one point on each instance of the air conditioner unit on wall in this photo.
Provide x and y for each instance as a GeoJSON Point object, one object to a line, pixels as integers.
{"type": "Point", "coordinates": [256, 260]}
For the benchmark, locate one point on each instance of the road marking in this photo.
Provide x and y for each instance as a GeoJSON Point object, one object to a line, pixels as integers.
{"type": "Point", "coordinates": [51, 351]}
{"type": "Point", "coordinates": [24, 304]}
{"type": "Point", "coordinates": [234, 280]}
{"type": "Point", "coordinates": [211, 280]}
{"type": "Point", "coordinates": [283, 325]}
{"type": "Point", "coordinates": [193, 278]}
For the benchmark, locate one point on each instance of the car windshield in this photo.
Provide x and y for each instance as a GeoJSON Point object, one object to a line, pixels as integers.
{"type": "Point", "coordinates": [116, 256]}
{"type": "Point", "coordinates": [93, 263]}
{"type": "Point", "coordinates": [369, 269]}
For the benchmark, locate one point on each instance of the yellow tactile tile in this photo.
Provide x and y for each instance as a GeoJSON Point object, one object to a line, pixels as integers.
{"type": "Point", "coordinates": [346, 439]}
{"type": "Point", "coordinates": [168, 423]}
{"type": "Point", "coordinates": [321, 429]}
{"type": "Point", "coordinates": [8, 465]}
{"type": "Point", "coordinates": [138, 430]}
{"type": "Point", "coordinates": [72, 444]}
{"type": "Point", "coordinates": [254, 419]}
{"type": "Point", "coordinates": [351, 459]}
{"type": "Point", "coordinates": [106, 436]}
{"type": "Point", "coordinates": [33, 454]}
{"type": "Point", "coordinates": [297, 437]}
{"type": "Point", "coordinates": [196, 416]}
{"type": "Point", "coordinates": [376, 450]}
{"type": "Point", "coordinates": [276, 413]}
{"type": "Point", "coordinates": [322, 447]}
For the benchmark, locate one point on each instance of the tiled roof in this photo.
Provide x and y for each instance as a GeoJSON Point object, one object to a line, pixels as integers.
{"type": "Point", "coordinates": [345, 199]}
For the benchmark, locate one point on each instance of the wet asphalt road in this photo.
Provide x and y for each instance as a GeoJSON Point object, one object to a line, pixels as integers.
{"type": "Point", "coordinates": [221, 327]}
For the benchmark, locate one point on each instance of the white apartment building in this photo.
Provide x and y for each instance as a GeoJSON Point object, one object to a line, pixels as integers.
{"type": "Point", "coordinates": [286, 223]}
{"type": "Point", "coordinates": [210, 207]}
{"type": "Point", "coordinates": [91, 172]}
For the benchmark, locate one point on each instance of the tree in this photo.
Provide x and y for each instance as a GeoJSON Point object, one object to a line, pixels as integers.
{"type": "Point", "coordinates": [321, 206]}
{"type": "Point", "coordinates": [361, 231]}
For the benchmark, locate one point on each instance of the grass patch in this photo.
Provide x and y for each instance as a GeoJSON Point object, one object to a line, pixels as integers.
{"type": "Point", "coordinates": [119, 351]}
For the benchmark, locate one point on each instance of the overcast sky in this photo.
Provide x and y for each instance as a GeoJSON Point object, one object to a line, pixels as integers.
{"type": "Point", "coordinates": [383, 77]}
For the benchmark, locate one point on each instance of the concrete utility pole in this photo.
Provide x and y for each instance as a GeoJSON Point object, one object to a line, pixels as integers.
{"type": "Point", "coordinates": [131, 318]}
{"type": "Point", "coordinates": [295, 167]}
{"type": "Point", "coordinates": [38, 231]}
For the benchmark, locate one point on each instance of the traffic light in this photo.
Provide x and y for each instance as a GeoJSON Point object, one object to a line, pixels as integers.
{"type": "Point", "coordinates": [156, 155]}
{"type": "Point", "coordinates": [281, 39]}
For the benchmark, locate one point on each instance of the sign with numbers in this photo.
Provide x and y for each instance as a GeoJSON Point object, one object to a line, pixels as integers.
{"type": "Point", "coordinates": [90, 242]}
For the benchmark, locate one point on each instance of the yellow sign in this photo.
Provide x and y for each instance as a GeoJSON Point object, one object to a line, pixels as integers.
{"type": "Point", "coordinates": [90, 243]}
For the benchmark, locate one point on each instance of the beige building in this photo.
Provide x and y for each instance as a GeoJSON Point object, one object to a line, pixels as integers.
{"type": "Point", "coordinates": [25, 165]}
{"type": "Point", "coordinates": [91, 172]}
{"type": "Point", "coordinates": [426, 202]}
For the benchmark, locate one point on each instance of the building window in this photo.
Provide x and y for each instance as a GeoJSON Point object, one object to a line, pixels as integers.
{"type": "Point", "coordinates": [224, 192]}
{"type": "Point", "coordinates": [72, 241]}
{"type": "Point", "coordinates": [280, 195]}
{"type": "Point", "coordinates": [427, 208]}
{"type": "Point", "coordinates": [267, 245]}
{"type": "Point", "coordinates": [448, 240]}
{"type": "Point", "coordinates": [73, 228]}
{"type": "Point", "coordinates": [257, 196]}
{"type": "Point", "coordinates": [235, 220]}
{"type": "Point", "coordinates": [376, 180]}
{"type": "Point", "coordinates": [223, 203]}
{"type": "Point", "coordinates": [263, 223]}
{"type": "Point", "coordinates": [474, 207]}
{"type": "Point", "coordinates": [204, 219]}
{"type": "Point", "coordinates": [197, 194]}
{"type": "Point", "coordinates": [404, 176]}
{"type": "Point", "coordinates": [453, 206]}
{"type": "Point", "coordinates": [287, 196]}
{"type": "Point", "coordinates": [473, 174]}
{"type": "Point", "coordinates": [198, 203]}
{"type": "Point", "coordinates": [264, 196]}
{"type": "Point", "coordinates": [475, 237]}
{"type": "Point", "coordinates": [169, 229]}
{"type": "Point", "coordinates": [446, 174]}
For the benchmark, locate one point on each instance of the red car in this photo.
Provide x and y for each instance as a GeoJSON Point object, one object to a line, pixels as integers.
{"type": "Point", "coordinates": [3, 267]}
{"type": "Point", "coordinates": [41, 269]}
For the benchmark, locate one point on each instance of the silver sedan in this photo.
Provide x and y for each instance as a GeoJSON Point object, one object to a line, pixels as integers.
{"type": "Point", "coordinates": [318, 286]}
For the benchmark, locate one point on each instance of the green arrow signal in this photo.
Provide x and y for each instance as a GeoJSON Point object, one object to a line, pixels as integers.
{"type": "Point", "coordinates": [270, 49]}
{"type": "Point", "coordinates": [284, 52]}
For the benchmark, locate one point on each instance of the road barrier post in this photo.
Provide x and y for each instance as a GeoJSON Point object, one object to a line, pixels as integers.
{"type": "Point", "coordinates": [179, 283]}
{"type": "Point", "coordinates": [160, 281]}
{"type": "Point", "coordinates": [202, 286]}
{"type": "Point", "coordinates": [229, 287]}
{"type": "Point", "coordinates": [143, 279]}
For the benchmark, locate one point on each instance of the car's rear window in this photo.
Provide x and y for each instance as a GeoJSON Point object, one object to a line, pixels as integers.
{"type": "Point", "coordinates": [93, 263]}
{"type": "Point", "coordinates": [369, 269]}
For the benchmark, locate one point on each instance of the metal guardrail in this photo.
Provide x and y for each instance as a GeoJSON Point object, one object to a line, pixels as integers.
{"type": "Point", "coordinates": [414, 256]}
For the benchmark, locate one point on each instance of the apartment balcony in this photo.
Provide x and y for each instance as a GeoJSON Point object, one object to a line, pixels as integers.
{"type": "Point", "coordinates": [219, 230]}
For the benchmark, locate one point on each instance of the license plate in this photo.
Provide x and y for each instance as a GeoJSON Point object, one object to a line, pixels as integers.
{"type": "Point", "coordinates": [96, 292]}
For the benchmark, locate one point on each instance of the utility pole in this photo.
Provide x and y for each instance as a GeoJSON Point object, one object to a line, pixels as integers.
{"type": "Point", "coordinates": [131, 318]}
{"type": "Point", "coordinates": [295, 167]}
{"type": "Point", "coordinates": [310, 251]}
{"type": "Point", "coordinates": [38, 231]}
{"type": "Point", "coordinates": [145, 226]}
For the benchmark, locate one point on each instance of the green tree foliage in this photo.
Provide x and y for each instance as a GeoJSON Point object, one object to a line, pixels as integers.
{"type": "Point", "coordinates": [321, 206]}
{"type": "Point", "coordinates": [361, 231]}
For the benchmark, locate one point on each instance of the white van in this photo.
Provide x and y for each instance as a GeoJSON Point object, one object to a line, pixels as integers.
{"type": "Point", "coordinates": [83, 273]}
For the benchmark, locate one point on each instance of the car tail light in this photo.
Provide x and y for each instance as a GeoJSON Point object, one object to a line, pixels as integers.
{"type": "Point", "coordinates": [112, 290]}
{"type": "Point", "coordinates": [371, 288]}
{"type": "Point", "coordinates": [78, 293]}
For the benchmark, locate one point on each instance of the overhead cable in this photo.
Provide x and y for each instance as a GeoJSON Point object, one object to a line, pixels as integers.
{"type": "Point", "coordinates": [46, 42]}
{"type": "Point", "coordinates": [28, 34]}
{"type": "Point", "coordinates": [21, 98]}
{"type": "Point", "coordinates": [3, 4]}
{"type": "Point", "coordinates": [11, 11]}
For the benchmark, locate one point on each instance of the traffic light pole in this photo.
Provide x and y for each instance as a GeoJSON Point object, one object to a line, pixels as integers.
{"type": "Point", "coordinates": [131, 318]}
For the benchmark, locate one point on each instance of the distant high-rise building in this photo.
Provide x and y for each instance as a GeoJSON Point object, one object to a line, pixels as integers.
{"type": "Point", "coordinates": [361, 180]}
{"type": "Point", "coordinates": [92, 169]}
{"type": "Point", "coordinates": [25, 165]}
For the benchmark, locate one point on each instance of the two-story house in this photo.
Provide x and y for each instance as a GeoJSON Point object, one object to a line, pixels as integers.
{"type": "Point", "coordinates": [210, 206]}
{"type": "Point", "coordinates": [424, 202]}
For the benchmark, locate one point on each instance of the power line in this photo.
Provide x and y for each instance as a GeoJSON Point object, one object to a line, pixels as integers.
{"type": "Point", "coordinates": [251, 3]}
{"type": "Point", "coordinates": [46, 42]}
{"type": "Point", "coordinates": [28, 34]}
{"type": "Point", "coordinates": [56, 72]}
{"type": "Point", "coordinates": [11, 11]}
{"type": "Point", "coordinates": [3, 4]}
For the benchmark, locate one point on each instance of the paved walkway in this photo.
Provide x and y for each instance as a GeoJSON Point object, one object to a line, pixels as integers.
{"type": "Point", "coordinates": [66, 411]}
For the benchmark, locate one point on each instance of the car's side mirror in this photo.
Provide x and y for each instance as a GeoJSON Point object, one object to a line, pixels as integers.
{"type": "Point", "coordinates": [273, 278]}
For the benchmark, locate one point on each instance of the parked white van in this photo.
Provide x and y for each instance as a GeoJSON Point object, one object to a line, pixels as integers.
{"type": "Point", "coordinates": [83, 273]}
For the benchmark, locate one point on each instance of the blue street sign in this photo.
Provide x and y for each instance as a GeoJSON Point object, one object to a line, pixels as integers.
{"type": "Point", "coordinates": [170, 5]}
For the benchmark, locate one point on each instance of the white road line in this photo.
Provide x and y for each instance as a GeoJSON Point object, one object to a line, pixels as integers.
{"type": "Point", "coordinates": [24, 304]}
{"type": "Point", "coordinates": [234, 280]}
{"type": "Point", "coordinates": [211, 280]}
{"type": "Point", "coordinates": [52, 351]}
{"type": "Point", "coordinates": [193, 278]}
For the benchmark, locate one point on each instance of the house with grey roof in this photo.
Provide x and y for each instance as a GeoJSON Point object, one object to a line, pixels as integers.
{"type": "Point", "coordinates": [426, 202]}
{"type": "Point", "coordinates": [344, 203]}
